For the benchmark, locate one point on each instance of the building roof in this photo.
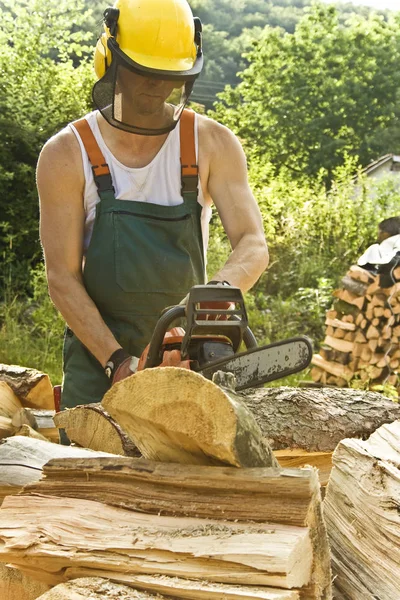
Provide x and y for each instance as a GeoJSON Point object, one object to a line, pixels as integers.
{"type": "Point", "coordinates": [387, 158]}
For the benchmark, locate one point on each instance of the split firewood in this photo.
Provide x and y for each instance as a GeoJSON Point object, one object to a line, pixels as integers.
{"type": "Point", "coordinates": [361, 511]}
{"type": "Point", "coordinates": [41, 421]}
{"type": "Point", "coordinates": [357, 288]}
{"type": "Point", "coordinates": [261, 495]}
{"type": "Point", "coordinates": [27, 431]}
{"type": "Point", "coordinates": [249, 558]}
{"type": "Point", "coordinates": [330, 354]}
{"type": "Point", "coordinates": [350, 298]}
{"type": "Point", "coordinates": [9, 403]}
{"type": "Point", "coordinates": [336, 369]}
{"type": "Point", "coordinates": [176, 415]}
{"type": "Point", "coordinates": [190, 589]}
{"type": "Point", "coordinates": [340, 345]}
{"type": "Point", "coordinates": [22, 460]}
{"type": "Point", "coordinates": [226, 552]}
{"type": "Point", "coordinates": [360, 274]}
{"type": "Point", "coordinates": [96, 588]}
{"type": "Point", "coordinates": [340, 324]}
{"type": "Point", "coordinates": [90, 426]}
{"type": "Point", "coordinates": [33, 388]}
{"type": "Point", "coordinates": [15, 585]}
{"type": "Point", "coordinates": [6, 427]}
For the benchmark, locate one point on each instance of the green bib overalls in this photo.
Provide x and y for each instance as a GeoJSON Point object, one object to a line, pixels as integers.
{"type": "Point", "coordinates": [142, 258]}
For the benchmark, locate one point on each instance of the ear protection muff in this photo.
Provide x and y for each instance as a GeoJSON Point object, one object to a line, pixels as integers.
{"type": "Point", "coordinates": [102, 54]}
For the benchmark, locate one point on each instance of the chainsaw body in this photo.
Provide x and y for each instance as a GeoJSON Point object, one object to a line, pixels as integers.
{"type": "Point", "coordinates": [213, 337]}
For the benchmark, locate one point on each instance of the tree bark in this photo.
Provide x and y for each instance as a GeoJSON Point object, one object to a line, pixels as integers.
{"type": "Point", "coordinates": [316, 420]}
{"type": "Point", "coordinates": [176, 415]}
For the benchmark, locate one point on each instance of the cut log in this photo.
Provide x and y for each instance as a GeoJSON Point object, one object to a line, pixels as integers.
{"type": "Point", "coordinates": [361, 510]}
{"type": "Point", "coordinates": [92, 427]}
{"type": "Point", "coordinates": [22, 460]}
{"type": "Point", "coordinates": [32, 387]}
{"type": "Point", "coordinates": [9, 403]}
{"type": "Point", "coordinates": [176, 415]}
{"type": "Point", "coordinates": [96, 588]}
{"type": "Point", "coordinates": [318, 419]}
{"type": "Point", "coordinates": [15, 585]}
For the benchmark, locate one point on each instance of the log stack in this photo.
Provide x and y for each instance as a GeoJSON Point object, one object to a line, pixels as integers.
{"type": "Point", "coordinates": [184, 531]}
{"type": "Point", "coordinates": [362, 342]}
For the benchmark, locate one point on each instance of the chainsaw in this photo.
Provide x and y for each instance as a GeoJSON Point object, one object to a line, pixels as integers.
{"type": "Point", "coordinates": [213, 338]}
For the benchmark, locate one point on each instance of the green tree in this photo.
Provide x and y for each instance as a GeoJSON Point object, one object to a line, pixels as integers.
{"type": "Point", "coordinates": [309, 99]}
{"type": "Point", "coordinates": [41, 90]}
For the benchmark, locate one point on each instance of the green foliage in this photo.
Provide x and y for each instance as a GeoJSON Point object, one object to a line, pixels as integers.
{"type": "Point", "coordinates": [41, 89]}
{"type": "Point", "coordinates": [309, 99]}
{"type": "Point", "coordinates": [31, 330]}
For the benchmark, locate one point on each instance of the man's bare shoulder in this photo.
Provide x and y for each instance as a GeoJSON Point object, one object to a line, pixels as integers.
{"type": "Point", "coordinates": [216, 138]}
{"type": "Point", "coordinates": [60, 151]}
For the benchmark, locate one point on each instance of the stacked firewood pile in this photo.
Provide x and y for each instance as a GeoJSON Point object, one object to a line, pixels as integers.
{"type": "Point", "coordinates": [363, 333]}
{"type": "Point", "coordinates": [207, 511]}
{"type": "Point", "coordinates": [26, 404]}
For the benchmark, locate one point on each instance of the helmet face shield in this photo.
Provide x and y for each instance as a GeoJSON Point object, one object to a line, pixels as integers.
{"type": "Point", "coordinates": [139, 99]}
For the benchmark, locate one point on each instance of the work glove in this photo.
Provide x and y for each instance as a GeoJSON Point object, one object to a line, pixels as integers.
{"type": "Point", "coordinates": [120, 365]}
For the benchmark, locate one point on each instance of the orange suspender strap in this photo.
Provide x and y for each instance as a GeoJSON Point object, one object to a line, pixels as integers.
{"type": "Point", "coordinates": [189, 167]}
{"type": "Point", "coordinates": [101, 171]}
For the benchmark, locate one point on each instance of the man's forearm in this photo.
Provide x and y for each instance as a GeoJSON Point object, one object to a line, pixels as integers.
{"type": "Point", "coordinates": [245, 264]}
{"type": "Point", "coordinates": [82, 316]}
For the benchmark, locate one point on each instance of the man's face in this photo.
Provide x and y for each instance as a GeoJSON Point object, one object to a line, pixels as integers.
{"type": "Point", "coordinates": [143, 95]}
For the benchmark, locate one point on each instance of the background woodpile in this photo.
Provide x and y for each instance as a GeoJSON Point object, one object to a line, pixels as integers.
{"type": "Point", "coordinates": [363, 333]}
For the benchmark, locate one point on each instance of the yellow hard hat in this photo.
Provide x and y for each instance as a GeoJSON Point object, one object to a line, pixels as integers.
{"type": "Point", "coordinates": [159, 35]}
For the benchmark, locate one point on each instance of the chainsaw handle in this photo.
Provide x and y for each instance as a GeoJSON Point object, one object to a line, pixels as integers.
{"type": "Point", "coordinates": [177, 312]}
{"type": "Point", "coordinates": [157, 339]}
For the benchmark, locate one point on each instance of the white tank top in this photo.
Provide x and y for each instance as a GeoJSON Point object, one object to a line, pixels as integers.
{"type": "Point", "coordinates": [159, 182]}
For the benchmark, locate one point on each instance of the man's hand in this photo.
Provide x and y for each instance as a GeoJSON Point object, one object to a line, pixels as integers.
{"type": "Point", "coordinates": [126, 369]}
{"type": "Point", "coordinates": [120, 365]}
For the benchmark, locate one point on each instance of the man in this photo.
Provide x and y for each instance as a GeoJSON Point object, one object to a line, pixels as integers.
{"type": "Point", "coordinates": [126, 193]}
